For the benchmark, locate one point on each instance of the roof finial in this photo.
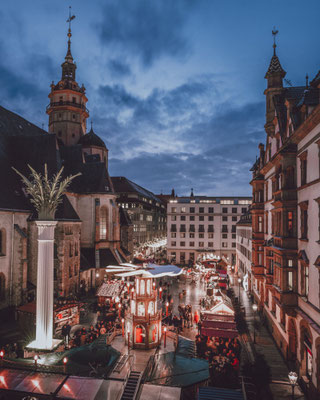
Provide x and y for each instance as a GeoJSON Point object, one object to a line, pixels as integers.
{"type": "Point", "coordinates": [191, 195]}
{"type": "Point", "coordinates": [274, 34]}
{"type": "Point", "coordinates": [307, 81]}
{"type": "Point", "coordinates": [91, 124]}
{"type": "Point", "coordinates": [71, 17]}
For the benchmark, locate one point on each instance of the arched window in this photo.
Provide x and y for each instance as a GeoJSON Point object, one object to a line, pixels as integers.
{"type": "Point", "coordinates": [133, 307]}
{"type": "Point", "coordinates": [140, 333]}
{"type": "Point", "coordinates": [153, 333]}
{"type": "Point", "coordinates": [142, 287]}
{"type": "Point", "coordinates": [2, 286]}
{"type": "Point", "coordinates": [2, 242]}
{"type": "Point", "coordinates": [148, 286]}
{"type": "Point", "coordinates": [141, 309]}
{"type": "Point", "coordinates": [103, 223]}
{"type": "Point", "coordinates": [151, 308]}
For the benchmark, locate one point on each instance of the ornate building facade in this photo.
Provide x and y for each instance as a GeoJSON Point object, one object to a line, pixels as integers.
{"type": "Point", "coordinates": [286, 222]}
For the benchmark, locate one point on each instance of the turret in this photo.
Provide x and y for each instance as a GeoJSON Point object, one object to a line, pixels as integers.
{"type": "Point", "coordinates": [67, 109]}
{"type": "Point", "coordinates": [274, 76]}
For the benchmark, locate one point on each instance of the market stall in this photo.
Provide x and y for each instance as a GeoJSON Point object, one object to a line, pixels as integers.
{"type": "Point", "coordinates": [64, 312]}
{"type": "Point", "coordinates": [219, 321]}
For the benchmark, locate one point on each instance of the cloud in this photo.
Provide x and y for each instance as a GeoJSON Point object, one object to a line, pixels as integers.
{"type": "Point", "coordinates": [183, 138]}
{"type": "Point", "coordinates": [118, 68]}
{"type": "Point", "coordinates": [148, 29]}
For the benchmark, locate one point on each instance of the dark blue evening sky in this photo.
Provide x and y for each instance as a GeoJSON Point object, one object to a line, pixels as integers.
{"type": "Point", "coordinates": [175, 87]}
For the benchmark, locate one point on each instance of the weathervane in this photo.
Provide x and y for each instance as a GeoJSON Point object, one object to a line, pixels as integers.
{"type": "Point", "coordinates": [274, 34]}
{"type": "Point", "coordinates": [71, 17]}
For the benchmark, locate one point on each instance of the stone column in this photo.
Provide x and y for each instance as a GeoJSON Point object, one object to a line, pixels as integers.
{"type": "Point", "coordinates": [45, 278]}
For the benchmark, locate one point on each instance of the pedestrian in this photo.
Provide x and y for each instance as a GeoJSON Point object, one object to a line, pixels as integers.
{"type": "Point", "coordinates": [68, 330]}
{"type": "Point", "coordinates": [199, 327]}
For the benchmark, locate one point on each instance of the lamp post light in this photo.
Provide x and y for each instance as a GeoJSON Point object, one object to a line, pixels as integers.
{"type": "Point", "coordinates": [293, 377]}
{"type": "Point", "coordinates": [65, 360]}
{"type": "Point", "coordinates": [160, 293]}
{"type": "Point", "coordinates": [239, 282]}
{"type": "Point", "coordinates": [36, 360]}
{"type": "Point", "coordinates": [167, 309]}
{"type": "Point", "coordinates": [254, 307]}
{"type": "Point", "coordinates": [128, 331]}
{"type": "Point", "coordinates": [122, 325]}
{"type": "Point", "coordinates": [1, 356]}
{"type": "Point", "coordinates": [165, 337]}
{"type": "Point", "coordinates": [119, 306]}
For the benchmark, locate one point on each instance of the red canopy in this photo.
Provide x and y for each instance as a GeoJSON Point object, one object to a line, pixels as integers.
{"type": "Point", "coordinates": [227, 333]}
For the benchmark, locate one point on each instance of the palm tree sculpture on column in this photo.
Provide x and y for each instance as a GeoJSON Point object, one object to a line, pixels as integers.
{"type": "Point", "coordinates": [45, 194]}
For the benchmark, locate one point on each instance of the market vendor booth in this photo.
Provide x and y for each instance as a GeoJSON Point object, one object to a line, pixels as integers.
{"type": "Point", "coordinates": [219, 321]}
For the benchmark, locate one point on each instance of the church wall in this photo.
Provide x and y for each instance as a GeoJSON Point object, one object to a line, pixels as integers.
{"type": "Point", "coordinates": [13, 261]}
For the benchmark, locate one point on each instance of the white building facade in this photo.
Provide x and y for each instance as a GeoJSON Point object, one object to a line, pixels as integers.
{"type": "Point", "coordinates": [200, 225]}
{"type": "Point", "coordinates": [244, 249]}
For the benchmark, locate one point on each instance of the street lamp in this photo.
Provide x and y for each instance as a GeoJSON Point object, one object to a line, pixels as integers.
{"type": "Point", "coordinates": [65, 360]}
{"type": "Point", "coordinates": [165, 337]}
{"type": "Point", "coordinates": [36, 360]}
{"type": "Point", "coordinates": [254, 307]}
{"type": "Point", "coordinates": [293, 377]}
{"type": "Point", "coordinates": [122, 325]}
{"type": "Point", "coordinates": [239, 281]}
{"type": "Point", "coordinates": [1, 356]}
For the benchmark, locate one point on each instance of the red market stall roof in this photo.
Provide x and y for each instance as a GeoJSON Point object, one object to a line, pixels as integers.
{"type": "Point", "coordinates": [219, 321]}
{"type": "Point", "coordinates": [226, 333]}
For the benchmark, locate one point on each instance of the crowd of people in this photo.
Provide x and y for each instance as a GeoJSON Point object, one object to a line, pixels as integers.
{"type": "Point", "coordinates": [223, 355]}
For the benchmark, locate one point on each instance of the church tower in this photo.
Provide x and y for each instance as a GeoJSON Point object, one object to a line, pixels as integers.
{"type": "Point", "coordinates": [67, 109]}
{"type": "Point", "coordinates": [274, 76]}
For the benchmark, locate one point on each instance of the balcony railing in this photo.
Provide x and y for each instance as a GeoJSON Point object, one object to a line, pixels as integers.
{"type": "Point", "coordinates": [67, 103]}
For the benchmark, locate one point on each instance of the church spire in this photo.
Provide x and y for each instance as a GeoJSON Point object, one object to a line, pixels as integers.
{"type": "Point", "coordinates": [69, 67]}
{"type": "Point", "coordinates": [275, 72]}
{"type": "Point", "coordinates": [69, 55]}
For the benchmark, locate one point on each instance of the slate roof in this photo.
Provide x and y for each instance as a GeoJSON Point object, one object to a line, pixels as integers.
{"type": "Point", "coordinates": [275, 67]}
{"type": "Point", "coordinates": [91, 139]}
{"type": "Point", "coordinates": [124, 185]}
{"type": "Point", "coordinates": [88, 258]}
{"type": "Point", "coordinates": [298, 96]}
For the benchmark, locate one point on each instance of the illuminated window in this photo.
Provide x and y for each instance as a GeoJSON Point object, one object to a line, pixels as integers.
{"type": "Point", "coordinates": [103, 223]}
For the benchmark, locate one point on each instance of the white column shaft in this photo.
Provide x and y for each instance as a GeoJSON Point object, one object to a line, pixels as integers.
{"type": "Point", "coordinates": [44, 316]}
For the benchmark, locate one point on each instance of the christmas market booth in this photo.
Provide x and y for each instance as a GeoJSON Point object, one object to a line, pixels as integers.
{"type": "Point", "coordinates": [219, 321]}
{"type": "Point", "coordinates": [64, 312]}
{"type": "Point", "coordinates": [109, 291]}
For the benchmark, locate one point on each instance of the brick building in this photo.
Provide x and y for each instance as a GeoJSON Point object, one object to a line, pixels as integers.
{"type": "Point", "coordinates": [146, 211]}
{"type": "Point", "coordinates": [285, 222]}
